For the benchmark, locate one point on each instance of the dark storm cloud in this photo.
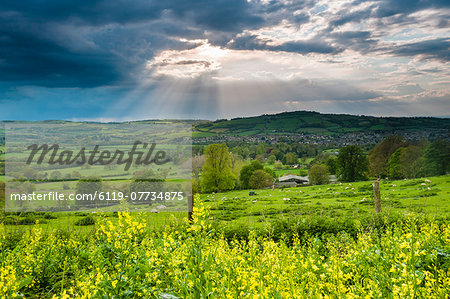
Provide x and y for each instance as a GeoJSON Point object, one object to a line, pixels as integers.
{"type": "Point", "coordinates": [436, 48]}
{"type": "Point", "coordinates": [77, 43]}
{"type": "Point", "coordinates": [386, 8]}
{"type": "Point", "coordinates": [84, 12]}
{"type": "Point", "coordinates": [361, 41]}
{"type": "Point", "coordinates": [387, 15]}
{"type": "Point", "coordinates": [393, 7]}
{"type": "Point", "coordinates": [29, 58]}
{"type": "Point", "coordinates": [96, 43]}
{"type": "Point", "coordinates": [220, 14]}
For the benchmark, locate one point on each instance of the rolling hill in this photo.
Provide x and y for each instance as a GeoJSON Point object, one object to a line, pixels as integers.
{"type": "Point", "coordinates": [308, 122]}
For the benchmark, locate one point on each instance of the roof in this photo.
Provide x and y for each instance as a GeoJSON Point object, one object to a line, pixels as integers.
{"type": "Point", "coordinates": [291, 177]}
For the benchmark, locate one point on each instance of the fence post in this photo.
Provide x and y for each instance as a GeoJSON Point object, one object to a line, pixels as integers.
{"type": "Point", "coordinates": [377, 195]}
{"type": "Point", "coordinates": [190, 207]}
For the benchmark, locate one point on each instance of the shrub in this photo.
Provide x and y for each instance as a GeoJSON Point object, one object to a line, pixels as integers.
{"type": "Point", "coordinates": [28, 220]}
{"type": "Point", "coordinates": [9, 220]}
{"type": "Point", "coordinates": [49, 216]}
{"type": "Point", "coordinates": [88, 220]}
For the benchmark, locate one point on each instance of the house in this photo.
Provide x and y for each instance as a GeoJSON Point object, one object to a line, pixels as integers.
{"type": "Point", "coordinates": [291, 180]}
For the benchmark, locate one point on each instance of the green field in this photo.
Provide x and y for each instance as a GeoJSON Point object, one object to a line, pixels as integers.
{"type": "Point", "coordinates": [323, 241]}
{"type": "Point", "coordinates": [331, 201]}
{"type": "Point", "coordinates": [125, 257]}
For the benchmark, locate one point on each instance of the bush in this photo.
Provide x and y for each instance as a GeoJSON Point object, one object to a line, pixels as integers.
{"type": "Point", "coordinates": [81, 214]}
{"type": "Point", "coordinates": [11, 240]}
{"type": "Point", "coordinates": [28, 220]}
{"type": "Point", "coordinates": [49, 216]}
{"type": "Point", "coordinates": [88, 220]}
{"type": "Point", "coordinates": [9, 220]}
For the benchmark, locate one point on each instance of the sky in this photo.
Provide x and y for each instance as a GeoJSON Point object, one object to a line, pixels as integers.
{"type": "Point", "coordinates": [118, 60]}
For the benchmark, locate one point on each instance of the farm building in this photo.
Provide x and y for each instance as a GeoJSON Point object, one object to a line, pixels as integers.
{"type": "Point", "coordinates": [292, 180]}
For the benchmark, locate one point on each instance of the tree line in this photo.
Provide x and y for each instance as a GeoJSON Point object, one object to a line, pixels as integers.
{"type": "Point", "coordinates": [395, 157]}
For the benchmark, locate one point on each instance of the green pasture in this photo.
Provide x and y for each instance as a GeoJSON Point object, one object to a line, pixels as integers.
{"type": "Point", "coordinates": [331, 201]}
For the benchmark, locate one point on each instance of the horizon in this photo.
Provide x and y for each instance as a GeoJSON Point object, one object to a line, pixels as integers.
{"type": "Point", "coordinates": [111, 61]}
{"type": "Point", "coordinates": [218, 119]}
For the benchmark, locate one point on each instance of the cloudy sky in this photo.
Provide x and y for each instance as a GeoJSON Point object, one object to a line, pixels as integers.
{"type": "Point", "coordinates": [123, 60]}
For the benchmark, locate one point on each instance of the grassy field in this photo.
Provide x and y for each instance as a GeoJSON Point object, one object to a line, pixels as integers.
{"type": "Point", "coordinates": [331, 201]}
{"type": "Point", "coordinates": [305, 242]}
{"type": "Point", "coordinates": [126, 259]}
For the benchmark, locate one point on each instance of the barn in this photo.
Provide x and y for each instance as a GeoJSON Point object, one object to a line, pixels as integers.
{"type": "Point", "coordinates": [291, 180]}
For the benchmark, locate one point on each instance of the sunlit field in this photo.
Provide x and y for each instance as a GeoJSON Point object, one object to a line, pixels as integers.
{"type": "Point", "coordinates": [325, 241]}
{"type": "Point", "coordinates": [126, 259]}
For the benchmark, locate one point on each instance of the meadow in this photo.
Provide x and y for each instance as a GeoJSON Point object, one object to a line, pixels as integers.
{"type": "Point", "coordinates": [313, 241]}
{"type": "Point", "coordinates": [126, 259]}
{"type": "Point", "coordinates": [341, 200]}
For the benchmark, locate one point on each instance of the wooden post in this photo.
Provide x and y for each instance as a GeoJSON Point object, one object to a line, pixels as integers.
{"type": "Point", "coordinates": [377, 195]}
{"type": "Point", "coordinates": [190, 207]}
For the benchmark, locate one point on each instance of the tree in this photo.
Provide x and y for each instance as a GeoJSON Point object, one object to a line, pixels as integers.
{"type": "Point", "coordinates": [291, 158]}
{"type": "Point", "coordinates": [278, 165]}
{"type": "Point", "coordinates": [88, 185]}
{"type": "Point", "coordinates": [393, 166]}
{"type": "Point", "coordinates": [197, 163]}
{"type": "Point", "coordinates": [237, 163]}
{"type": "Point", "coordinates": [55, 175]}
{"type": "Point", "coordinates": [436, 159]}
{"type": "Point", "coordinates": [247, 171]}
{"type": "Point", "coordinates": [380, 154]}
{"type": "Point", "coordinates": [277, 153]}
{"type": "Point", "coordinates": [332, 164]}
{"type": "Point", "coordinates": [30, 173]}
{"type": "Point", "coordinates": [76, 174]}
{"type": "Point", "coordinates": [145, 181]}
{"type": "Point", "coordinates": [319, 175]}
{"type": "Point", "coordinates": [352, 164]}
{"type": "Point", "coordinates": [410, 161]}
{"type": "Point", "coordinates": [271, 172]}
{"type": "Point", "coordinates": [260, 179]}
{"type": "Point", "coordinates": [217, 171]}
{"type": "Point", "coordinates": [271, 159]}
{"type": "Point", "coordinates": [260, 158]}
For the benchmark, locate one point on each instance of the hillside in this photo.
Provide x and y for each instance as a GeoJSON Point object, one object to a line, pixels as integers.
{"type": "Point", "coordinates": [307, 122]}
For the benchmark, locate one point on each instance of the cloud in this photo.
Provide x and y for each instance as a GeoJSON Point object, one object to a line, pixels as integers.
{"type": "Point", "coordinates": [253, 42]}
{"type": "Point", "coordinates": [101, 43]}
{"type": "Point", "coordinates": [350, 52]}
{"type": "Point", "coordinates": [188, 63]}
{"type": "Point", "coordinates": [26, 58]}
{"type": "Point", "coordinates": [393, 7]}
{"type": "Point", "coordinates": [436, 48]}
